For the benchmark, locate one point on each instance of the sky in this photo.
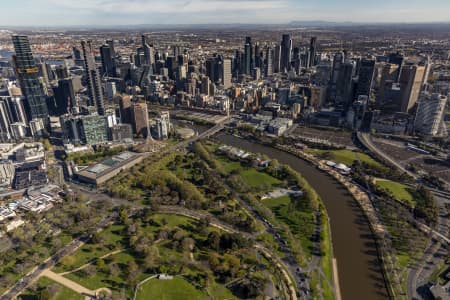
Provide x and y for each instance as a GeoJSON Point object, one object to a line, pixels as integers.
{"type": "Point", "coordinates": [137, 12]}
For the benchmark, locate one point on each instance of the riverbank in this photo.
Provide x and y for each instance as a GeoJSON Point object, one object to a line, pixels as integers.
{"type": "Point", "coordinates": [354, 244]}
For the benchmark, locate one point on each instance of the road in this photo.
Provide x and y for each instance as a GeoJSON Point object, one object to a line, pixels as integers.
{"type": "Point", "coordinates": [364, 138]}
{"type": "Point", "coordinates": [68, 249]}
{"type": "Point", "coordinates": [418, 274]}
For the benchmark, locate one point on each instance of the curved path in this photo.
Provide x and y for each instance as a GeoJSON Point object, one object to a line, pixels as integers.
{"type": "Point", "coordinates": [360, 274]}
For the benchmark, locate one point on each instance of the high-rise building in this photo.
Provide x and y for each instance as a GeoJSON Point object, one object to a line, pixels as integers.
{"type": "Point", "coordinates": [139, 114]}
{"type": "Point", "coordinates": [76, 53]}
{"type": "Point", "coordinates": [5, 120]}
{"type": "Point", "coordinates": [430, 114]}
{"type": "Point", "coordinates": [286, 53]}
{"type": "Point", "coordinates": [226, 73]}
{"type": "Point", "coordinates": [396, 59]}
{"type": "Point", "coordinates": [162, 128]}
{"type": "Point", "coordinates": [108, 65]}
{"type": "Point", "coordinates": [269, 62]}
{"type": "Point", "coordinates": [94, 81]}
{"type": "Point", "coordinates": [257, 60]}
{"type": "Point", "coordinates": [277, 59]}
{"type": "Point", "coordinates": [110, 43]}
{"type": "Point", "coordinates": [27, 73]}
{"type": "Point", "coordinates": [411, 79]}
{"type": "Point", "coordinates": [344, 85]}
{"type": "Point", "coordinates": [91, 129]}
{"type": "Point", "coordinates": [121, 132]}
{"type": "Point", "coordinates": [365, 77]}
{"type": "Point", "coordinates": [64, 97]}
{"type": "Point", "coordinates": [205, 87]}
{"type": "Point", "coordinates": [149, 55]}
{"type": "Point", "coordinates": [248, 56]}
{"type": "Point", "coordinates": [125, 109]}
{"type": "Point", "coordinates": [312, 51]}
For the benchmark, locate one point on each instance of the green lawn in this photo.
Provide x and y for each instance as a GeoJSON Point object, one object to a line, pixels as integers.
{"type": "Point", "coordinates": [229, 165]}
{"type": "Point", "coordinates": [301, 223]}
{"type": "Point", "coordinates": [112, 240]}
{"type": "Point", "coordinates": [400, 191]}
{"type": "Point", "coordinates": [63, 293]}
{"type": "Point", "coordinates": [346, 156]}
{"type": "Point", "coordinates": [174, 289]}
{"type": "Point", "coordinates": [105, 279]}
{"type": "Point", "coordinates": [254, 178]}
{"type": "Point", "coordinates": [284, 200]}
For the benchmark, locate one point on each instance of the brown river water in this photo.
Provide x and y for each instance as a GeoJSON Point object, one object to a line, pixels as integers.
{"type": "Point", "coordinates": [359, 269]}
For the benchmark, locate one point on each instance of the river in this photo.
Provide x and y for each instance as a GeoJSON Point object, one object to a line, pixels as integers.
{"type": "Point", "coordinates": [359, 269]}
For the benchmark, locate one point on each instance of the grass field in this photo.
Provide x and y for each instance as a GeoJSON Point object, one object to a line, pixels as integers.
{"type": "Point", "coordinates": [113, 239]}
{"type": "Point", "coordinates": [254, 178]}
{"type": "Point", "coordinates": [274, 202]}
{"type": "Point", "coordinates": [174, 289]}
{"type": "Point", "coordinates": [63, 293]}
{"type": "Point", "coordinates": [400, 191]}
{"type": "Point", "coordinates": [346, 156]}
{"type": "Point", "coordinates": [300, 223]}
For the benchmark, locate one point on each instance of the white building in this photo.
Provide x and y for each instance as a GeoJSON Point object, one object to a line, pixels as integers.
{"type": "Point", "coordinates": [430, 113]}
{"type": "Point", "coordinates": [163, 125]}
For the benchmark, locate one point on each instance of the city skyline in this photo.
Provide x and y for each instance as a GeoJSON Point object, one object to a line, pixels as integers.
{"type": "Point", "coordinates": [158, 12]}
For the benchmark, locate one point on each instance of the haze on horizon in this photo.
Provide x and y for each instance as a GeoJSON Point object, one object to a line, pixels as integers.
{"type": "Point", "coordinates": [136, 12]}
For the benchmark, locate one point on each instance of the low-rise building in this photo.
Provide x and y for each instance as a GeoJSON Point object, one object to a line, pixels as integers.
{"type": "Point", "coordinates": [107, 169]}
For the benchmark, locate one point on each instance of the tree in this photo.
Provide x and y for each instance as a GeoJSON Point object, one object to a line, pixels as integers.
{"type": "Point", "coordinates": [213, 240]}
{"type": "Point", "coordinates": [100, 263]}
{"type": "Point", "coordinates": [188, 244]}
{"type": "Point", "coordinates": [113, 269]}
{"type": "Point", "coordinates": [213, 260]}
{"type": "Point", "coordinates": [133, 272]}
{"type": "Point", "coordinates": [44, 294]}
{"type": "Point", "coordinates": [151, 258]}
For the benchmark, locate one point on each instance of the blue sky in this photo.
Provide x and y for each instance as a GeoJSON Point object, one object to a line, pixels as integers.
{"type": "Point", "coordinates": [131, 12]}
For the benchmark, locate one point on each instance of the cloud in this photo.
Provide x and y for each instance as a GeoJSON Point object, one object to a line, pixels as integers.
{"type": "Point", "coordinates": [167, 6]}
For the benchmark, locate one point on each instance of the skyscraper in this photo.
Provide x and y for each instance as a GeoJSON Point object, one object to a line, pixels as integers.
{"type": "Point", "coordinates": [125, 109]}
{"type": "Point", "coordinates": [27, 73]}
{"type": "Point", "coordinates": [411, 79]}
{"type": "Point", "coordinates": [248, 57]}
{"type": "Point", "coordinates": [64, 97]}
{"type": "Point", "coordinates": [344, 84]}
{"type": "Point", "coordinates": [312, 51]}
{"type": "Point", "coordinates": [108, 65]}
{"type": "Point", "coordinates": [396, 59]}
{"type": "Point", "coordinates": [257, 61]}
{"type": "Point", "coordinates": [269, 62]}
{"type": "Point", "coordinates": [430, 113]}
{"type": "Point", "coordinates": [149, 56]}
{"type": "Point", "coordinates": [140, 119]}
{"type": "Point", "coordinates": [286, 52]}
{"type": "Point", "coordinates": [110, 43]}
{"type": "Point", "coordinates": [277, 59]}
{"type": "Point", "coordinates": [94, 81]}
{"type": "Point", "coordinates": [226, 72]}
{"type": "Point", "coordinates": [365, 77]}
